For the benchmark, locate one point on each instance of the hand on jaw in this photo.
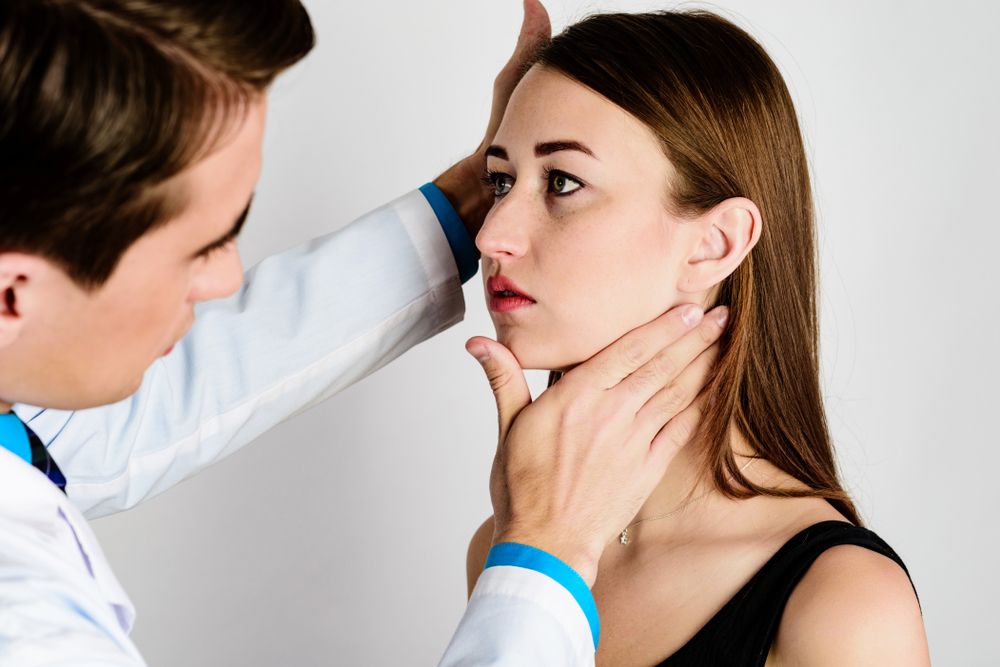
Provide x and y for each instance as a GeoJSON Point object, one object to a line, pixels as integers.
{"type": "Point", "coordinates": [574, 467]}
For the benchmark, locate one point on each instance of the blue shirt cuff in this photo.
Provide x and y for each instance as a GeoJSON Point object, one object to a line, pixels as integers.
{"type": "Point", "coordinates": [462, 246]}
{"type": "Point", "coordinates": [532, 558]}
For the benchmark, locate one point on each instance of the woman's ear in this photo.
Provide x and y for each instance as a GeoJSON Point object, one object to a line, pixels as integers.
{"type": "Point", "coordinates": [17, 271]}
{"type": "Point", "coordinates": [727, 233]}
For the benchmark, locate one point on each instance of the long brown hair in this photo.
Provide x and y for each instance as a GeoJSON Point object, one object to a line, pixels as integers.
{"type": "Point", "coordinates": [103, 101]}
{"type": "Point", "coordinates": [726, 121]}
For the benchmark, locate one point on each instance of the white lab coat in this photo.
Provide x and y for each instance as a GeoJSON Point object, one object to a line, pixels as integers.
{"type": "Point", "coordinates": [308, 322]}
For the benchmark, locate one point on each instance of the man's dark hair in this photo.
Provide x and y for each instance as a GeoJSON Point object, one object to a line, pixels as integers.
{"type": "Point", "coordinates": [103, 101]}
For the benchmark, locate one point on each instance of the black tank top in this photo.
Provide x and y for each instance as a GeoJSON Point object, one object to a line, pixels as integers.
{"type": "Point", "coordinates": [740, 635]}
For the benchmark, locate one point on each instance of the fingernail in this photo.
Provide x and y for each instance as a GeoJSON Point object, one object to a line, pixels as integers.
{"type": "Point", "coordinates": [722, 316]}
{"type": "Point", "coordinates": [691, 315]}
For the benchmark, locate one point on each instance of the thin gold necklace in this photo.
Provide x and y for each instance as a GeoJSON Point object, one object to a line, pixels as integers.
{"type": "Point", "coordinates": [623, 536]}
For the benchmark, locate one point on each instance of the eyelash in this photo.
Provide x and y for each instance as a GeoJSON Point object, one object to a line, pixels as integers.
{"type": "Point", "coordinates": [211, 250]}
{"type": "Point", "coordinates": [490, 180]}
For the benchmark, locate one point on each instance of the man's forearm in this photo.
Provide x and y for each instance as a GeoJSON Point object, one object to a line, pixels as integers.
{"type": "Point", "coordinates": [310, 321]}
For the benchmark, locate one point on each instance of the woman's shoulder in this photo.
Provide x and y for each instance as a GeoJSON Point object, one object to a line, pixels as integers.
{"type": "Point", "coordinates": [854, 605]}
{"type": "Point", "coordinates": [479, 549]}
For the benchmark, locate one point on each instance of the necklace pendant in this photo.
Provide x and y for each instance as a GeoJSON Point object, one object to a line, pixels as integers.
{"type": "Point", "coordinates": [623, 537]}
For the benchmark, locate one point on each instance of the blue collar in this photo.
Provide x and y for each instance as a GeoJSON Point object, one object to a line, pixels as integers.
{"type": "Point", "coordinates": [13, 437]}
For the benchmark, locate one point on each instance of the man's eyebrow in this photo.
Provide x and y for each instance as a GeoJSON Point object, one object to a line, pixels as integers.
{"type": "Point", "coordinates": [544, 148]}
{"type": "Point", "coordinates": [230, 235]}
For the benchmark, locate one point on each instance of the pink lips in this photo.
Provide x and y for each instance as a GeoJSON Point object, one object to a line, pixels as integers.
{"type": "Point", "coordinates": [505, 296]}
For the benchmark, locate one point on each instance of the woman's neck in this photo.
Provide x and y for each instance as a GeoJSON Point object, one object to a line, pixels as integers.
{"type": "Point", "coordinates": [687, 492]}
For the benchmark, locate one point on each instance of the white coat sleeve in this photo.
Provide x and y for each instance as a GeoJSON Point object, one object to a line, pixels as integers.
{"type": "Point", "coordinates": [519, 617]}
{"type": "Point", "coordinates": [50, 614]}
{"type": "Point", "coordinates": [48, 629]}
{"type": "Point", "coordinates": [307, 323]}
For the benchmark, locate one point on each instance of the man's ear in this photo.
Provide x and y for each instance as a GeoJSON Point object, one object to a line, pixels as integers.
{"type": "Point", "coordinates": [729, 231]}
{"type": "Point", "coordinates": [19, 273]}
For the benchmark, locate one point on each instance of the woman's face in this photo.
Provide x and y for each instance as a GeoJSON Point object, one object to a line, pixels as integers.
{"type": "Point", "coordinates": [580, 225]}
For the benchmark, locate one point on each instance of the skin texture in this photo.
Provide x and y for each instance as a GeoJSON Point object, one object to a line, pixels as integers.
{"type": "Point", "coordinates": [599, 262]}
{"type": "Point", "coordinates": [584, 221]}
{"type": "Point", "coordinates": [65, 347]}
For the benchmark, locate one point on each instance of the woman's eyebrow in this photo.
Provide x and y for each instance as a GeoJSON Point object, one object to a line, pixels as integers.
{"type": "Point", "coordinates": [544, 148]}
{"type": "Point", "coordinates": [550, 147]}
{"type": "Point", "coordinates": [497, 152]}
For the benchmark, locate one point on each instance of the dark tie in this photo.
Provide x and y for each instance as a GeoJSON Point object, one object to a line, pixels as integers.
{"type": "Point", "coordinates": [40, 458]}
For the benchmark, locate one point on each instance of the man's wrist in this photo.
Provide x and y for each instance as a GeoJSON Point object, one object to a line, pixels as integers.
{"type": "Point", "coordinates": [463, 247]}
{"type": "Point", "coordinates": [463, 187]}
{"type": "Point", "coordinates": [583, 560]}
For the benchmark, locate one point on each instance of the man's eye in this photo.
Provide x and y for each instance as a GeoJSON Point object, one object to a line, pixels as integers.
{"type": "Point", "coordinates": [213, 250]}
{"type": "Point", "coordinates": [563, 184]}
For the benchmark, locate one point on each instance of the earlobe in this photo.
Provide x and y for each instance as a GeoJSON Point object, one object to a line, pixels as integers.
{"type": "Point", "coordinates": [730, 230]}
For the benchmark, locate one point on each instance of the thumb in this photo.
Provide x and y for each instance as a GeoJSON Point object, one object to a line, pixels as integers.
{"type": "Point", "coordinates": [536, 27]}
{"type": "Point", "coordinates": [506, 378]}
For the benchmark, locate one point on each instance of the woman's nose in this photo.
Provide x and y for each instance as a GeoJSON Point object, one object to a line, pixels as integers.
{"type": "Point", "coordinates": [505, 231]}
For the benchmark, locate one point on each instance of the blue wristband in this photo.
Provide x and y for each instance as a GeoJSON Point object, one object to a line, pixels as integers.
{"type": "Point", "coordinates": [532, 558]}
{"type": "Point", "coordinates": [462, 245]}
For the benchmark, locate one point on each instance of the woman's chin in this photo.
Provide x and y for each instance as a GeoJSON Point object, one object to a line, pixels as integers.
{"type": "Point", "coordinates": [540, 357]}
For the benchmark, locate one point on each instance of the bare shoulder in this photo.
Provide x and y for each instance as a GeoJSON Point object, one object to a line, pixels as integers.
{"type": "Point", "coordinates": [853, 607]}
{"type": "Point", "coordinates": [479, 549]}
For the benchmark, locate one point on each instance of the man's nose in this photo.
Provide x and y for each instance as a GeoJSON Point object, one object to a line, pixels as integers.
{"type": "Point", "coordinates": [221, 276]}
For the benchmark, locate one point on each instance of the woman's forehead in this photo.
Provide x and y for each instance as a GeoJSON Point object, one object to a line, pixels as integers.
{"type": "Point", "coordinates": [549, 106]}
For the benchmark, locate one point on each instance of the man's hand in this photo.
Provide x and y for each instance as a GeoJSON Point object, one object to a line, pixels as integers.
{"type": "Point", "coordinates": [462, 184]}
{"type": "Point", "coordinates": [574, 467]}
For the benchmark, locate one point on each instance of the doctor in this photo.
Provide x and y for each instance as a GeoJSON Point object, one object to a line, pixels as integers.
{"type": "Point", "coordinates": [130, 139]}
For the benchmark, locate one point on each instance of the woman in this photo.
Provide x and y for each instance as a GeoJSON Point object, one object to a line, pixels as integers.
{"type": "Point", "coordinates": [652, 160]}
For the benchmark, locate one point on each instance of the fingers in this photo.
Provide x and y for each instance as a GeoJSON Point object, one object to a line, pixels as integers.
{"type": "Point", "coordinates": [668, 363]}
{"type": "Point", "coordinates": [510, 389]}
{"type": "Point", "coordinates": [674, 398]}
{"type": "Point", "coordinates": [668, 442]}
{"type": "Point", "coordinates": [627, 354]}
{"type": "Point", "coordinates": [536, 29]}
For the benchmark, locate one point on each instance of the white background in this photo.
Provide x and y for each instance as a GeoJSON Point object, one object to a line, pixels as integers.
{"type": "Point", "coordinates": [339, 537]}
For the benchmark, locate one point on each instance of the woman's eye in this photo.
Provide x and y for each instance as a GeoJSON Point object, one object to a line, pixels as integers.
{"type": "Point", "coordinates": [501, 183]}
{"type": "Point", "coordinates": [561, 184]}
